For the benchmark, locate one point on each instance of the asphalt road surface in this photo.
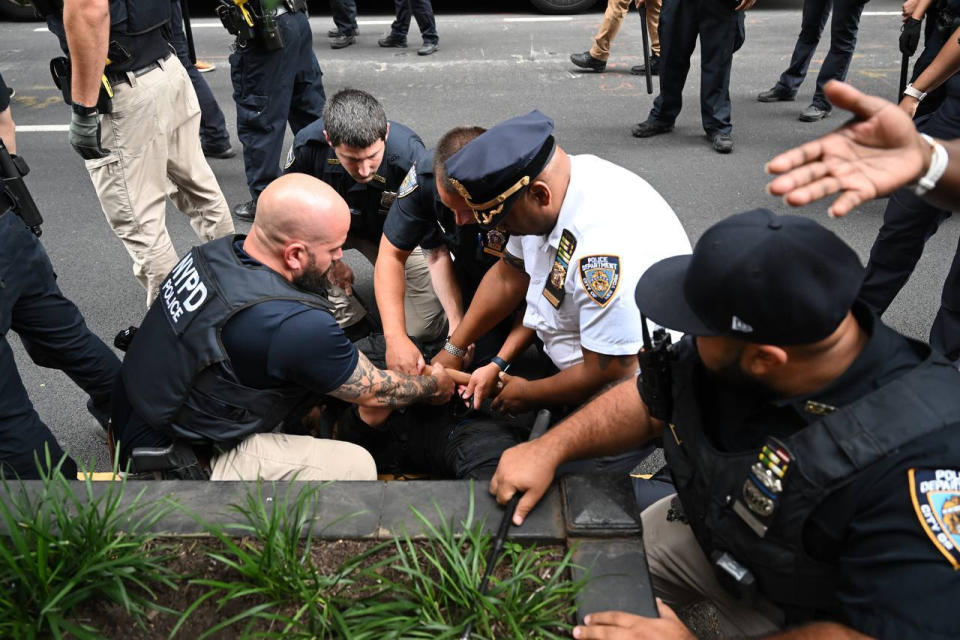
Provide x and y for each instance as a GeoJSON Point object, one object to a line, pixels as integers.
{"type": "Point", "coordinates": [490, 66]}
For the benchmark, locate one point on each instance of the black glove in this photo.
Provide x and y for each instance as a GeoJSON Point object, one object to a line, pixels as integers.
{"type": "Point", "coordinates": [85, 136]}
{"type": "Point", "coordinates": [910, 36]}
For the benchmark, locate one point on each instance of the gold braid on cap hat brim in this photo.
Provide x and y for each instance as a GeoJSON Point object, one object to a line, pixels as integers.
{"type": "Point", "coordinates": [480, 213]}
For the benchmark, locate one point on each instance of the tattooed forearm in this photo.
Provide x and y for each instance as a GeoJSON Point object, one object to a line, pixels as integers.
{"type": "Point", "coordinates": [370, 386]}
{"type": "Point", "coordinates": [513, 261]}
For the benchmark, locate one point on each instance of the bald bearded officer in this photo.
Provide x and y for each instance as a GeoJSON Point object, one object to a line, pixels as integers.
{"type": "Point", "coordinates": [241, 337]}
{"type": "Point", "coordinates": [582, 231]}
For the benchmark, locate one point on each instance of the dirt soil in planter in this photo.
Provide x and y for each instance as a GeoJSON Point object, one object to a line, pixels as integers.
{"type": "Point", "coordinates": [191, 562]}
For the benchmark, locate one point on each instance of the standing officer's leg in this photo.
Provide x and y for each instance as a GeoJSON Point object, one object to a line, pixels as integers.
{"type": "Point", "coordinates": [23, 436]}
{"type": "Point", "coordinates": [262, 88]}
{"type": "Point", "coordinates": [653, 26]}
{"type": "Point", "coordinates": [678, 34]}
{"type": "Point", "coordinates": [401, 24]}
{"type": "Point", "coordinates": [613, 17]}
{"type": "Point", "coordinates": [719, 27]}
{"type": "Point", "coordinates": [423, 12]}
{"type": "Point", "coordinates": [945, 332]}
{"type": "Point", "coordinates": [345, 16]}
{"type": "Point", "coordinates": [213, 126]}
{"type": "Point", "coordinates": [815, 13]}
{"type": "Point", "coordinates": [843, 41]}
{"type": "Point", "coordinates": [131, 182]}
{"type": "Point", "coordinates": [197, 195]}
{"type": "Point", "coordinates": [54, 335]}
{"type": "Point", "coordinates": [306, 105]}
{"type": "Point", "coordinates": [909, 221]}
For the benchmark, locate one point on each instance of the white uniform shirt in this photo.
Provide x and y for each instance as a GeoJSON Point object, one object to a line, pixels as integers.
{"type": "Point", "coordinates": [621, 226]}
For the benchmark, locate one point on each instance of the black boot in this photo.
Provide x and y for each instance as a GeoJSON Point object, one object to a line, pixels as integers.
{"type": "Point", "coordinates": [246, 211]}
{"type": "Point", "coordinates": [640, 70]}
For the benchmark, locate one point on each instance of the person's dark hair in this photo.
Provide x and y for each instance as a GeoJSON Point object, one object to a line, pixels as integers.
{"type": "Point", "coordinates": [451, 142]}
{"type": "Point", "coordinates": [354, 118]}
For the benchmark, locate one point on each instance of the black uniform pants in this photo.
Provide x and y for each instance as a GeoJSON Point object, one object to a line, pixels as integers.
{"type": "Point", "coordinates": [54, 335]}
{"type": "Point", "coordinates": [345, 16]}
{"type": "Point", "coordinates": [272, 88]}
{"type": "Point", "coordinates": [422, 10]}
{"type": "Point", "coordinates": [720, 30]}
{"type": "Point", "coordinates": [908, 222]}
{"type": "Point", "coordinates": [213, 126]}
{"type": "Point", "coordinates": [843, 40]}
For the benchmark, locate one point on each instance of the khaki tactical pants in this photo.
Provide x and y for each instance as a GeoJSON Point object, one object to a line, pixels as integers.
{"type": "Point", "coordinates": [425, 319]}
{"type": "Point", "coordinates": [682, 575]}
{"type": "Point", "coordinates": [277, 456]}
{"type": "Point", "coordinates": [613, 18]}
{"type": "Point", "coordinates": [153, 135]}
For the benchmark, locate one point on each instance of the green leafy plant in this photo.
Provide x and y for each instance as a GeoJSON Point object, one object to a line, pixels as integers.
{"type": "Point", "coordinates": [531, 596]}
{"type": "Point", "coordinates": [276, 571]}
{"type": "Point", "coordinates": [63, 548]}
{"type": "Point", "coordinates": [404, 588]}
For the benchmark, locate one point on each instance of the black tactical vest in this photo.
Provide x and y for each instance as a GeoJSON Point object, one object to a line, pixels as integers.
{"type": "Point", "coordinates": [739, 504]}
{"type": "Point", "coordinates": [177, 375]}
{"type": "Point", "coordinates": [138, 31]}
{"type": "Point", "coordinates": [140, 27]}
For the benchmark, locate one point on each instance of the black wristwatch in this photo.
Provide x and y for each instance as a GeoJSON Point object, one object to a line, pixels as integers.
{"type": "Point", "coordinates": [500, 362]}
{"type": "Point", "coordinates": [86, 112]}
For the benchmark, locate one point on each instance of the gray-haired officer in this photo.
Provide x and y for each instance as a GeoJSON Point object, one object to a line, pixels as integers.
{"type": "Point", "coordinates": [276, 80]}
{"type": "Point", "coordinates": [815, 451]}
{"type": "Point", "coordinates": [365, 159]}
{"type": "Point", "coordinates": [582, 231]}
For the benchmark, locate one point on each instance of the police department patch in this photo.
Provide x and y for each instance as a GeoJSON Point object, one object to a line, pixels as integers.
{"type": "Point", "coordinates": [409, 184]}
{"type": "Point", "coordinates": [600, 276]}
{"type": "Point", "coordinates": [936, 500]}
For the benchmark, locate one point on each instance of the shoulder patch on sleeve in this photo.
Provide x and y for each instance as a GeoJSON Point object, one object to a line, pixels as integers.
{"type": "Point", "coordinates": [409, 184]}
{"type": "Point", "coordinates": [291, 156]}
{"type": "Point", "coordinates": [936, 499]}
{"type": "Point", "coordinates": [600, 276]}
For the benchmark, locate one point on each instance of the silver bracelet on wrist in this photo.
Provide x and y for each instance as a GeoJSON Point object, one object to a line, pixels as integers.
{"type": "Point", "coordinates": [454, 350]}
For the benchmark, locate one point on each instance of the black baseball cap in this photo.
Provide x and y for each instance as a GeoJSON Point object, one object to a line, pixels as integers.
{"type": "Point", "coordinates": [756, 276]}
{"type": "Point", "coordinates": [491, 171]}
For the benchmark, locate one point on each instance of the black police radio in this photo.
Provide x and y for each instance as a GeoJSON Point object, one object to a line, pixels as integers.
{"type": "Point", "coordinates": [14, 193]}
{"type": "Point", "coordinates": [655, 371]}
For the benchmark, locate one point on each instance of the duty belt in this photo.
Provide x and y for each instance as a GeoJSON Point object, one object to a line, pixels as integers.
{"type": "Point", "coordinates": [121, 76]}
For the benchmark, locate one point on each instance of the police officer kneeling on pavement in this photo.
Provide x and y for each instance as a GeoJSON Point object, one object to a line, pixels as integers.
{"type": "Point", "coordinates": [365, 159]}
{"type": "Point", "coordinates": [242, 339]}
{"type": "Point", "coordinates": [815, 451]}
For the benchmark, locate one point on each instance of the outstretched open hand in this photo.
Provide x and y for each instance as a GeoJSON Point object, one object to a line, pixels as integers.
{"type": "Point", "coordinates": [874, 154]}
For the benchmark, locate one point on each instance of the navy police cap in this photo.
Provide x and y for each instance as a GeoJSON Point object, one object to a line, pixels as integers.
{"type": "Point", "coordinates": [493, 168]}
{"type": "Point", "coordinates": [758, 277]}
